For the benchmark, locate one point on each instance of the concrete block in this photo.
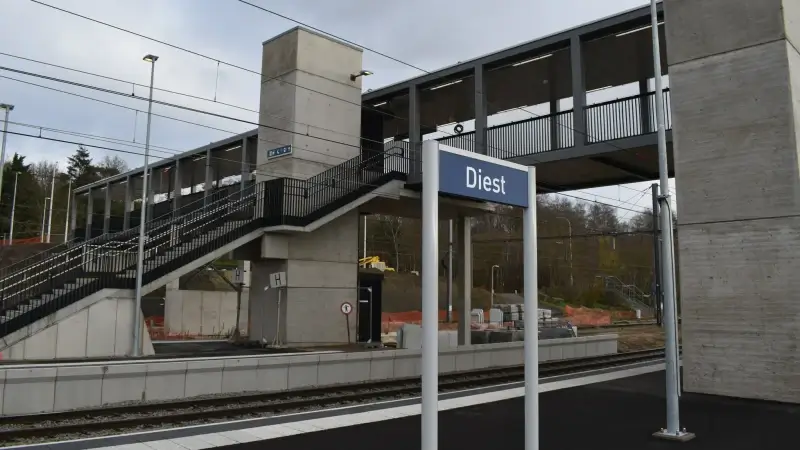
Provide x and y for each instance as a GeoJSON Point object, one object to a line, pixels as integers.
{"type": "Point", "coordinates": [204, 377]}
{"type": "Point", "coordinates": [411, 336]}
{"type": "Point", "coordinates": [544, 353]}
{"type": "Point", "coordinates": [447, 360]}
{"type": "Point", "coordinates": [358, 367]}
{"type": "Point", "coordinates": [240, 375]}
{"type": "Point", "coordinates": [273, 374]}
{"type": "Point", "coordinates": [482, 355]}
{"type": "Point", "coordinates": [517, 335]}
{"type": "Point", "coordinates": [465, 358]}
{"type": "Point", "coordinates": [568, 351]}
{"type": "Point", "coordinates": [479, 337]}
{"type": "Point", "coordinates": [124, 383]}
{"type": "Point", "coordinates": [101, 328]}
{"type": "Point", "coordinates": [381, 365]}
{"type": "Point", "coordinates": [592, 349]}
{"type": "Point", "coordinates": [332, 368]}
{"type": "Point", "coordinates": [29, 391]}
{"type": "Point", "coordinates": [303, 371]}
{"type": "Point", "coordinates": [507, 354]}
{"type": "Point", "coordinates": [72, 333]}
{"type": "Point", "coordinates": [407, 363]}
{"type": "Point", "coordinates": [165, 381]}
{"type": "Point", "coordinates": [499, 336]}
{"type": "Point", "coordinates": [580, 349]}
{"type": "Point", "coordinates": [78, 387]}
{"type": "Point", "coordinates": [42, 345]}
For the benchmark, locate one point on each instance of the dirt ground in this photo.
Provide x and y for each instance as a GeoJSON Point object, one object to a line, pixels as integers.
{"type": "Point", "coordinates": [631, 338]}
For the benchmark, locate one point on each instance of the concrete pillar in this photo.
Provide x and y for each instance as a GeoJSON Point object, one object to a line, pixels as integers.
{"type": "Point", "coordinates": [463, 252]}
{"type": "Point", "coordinates": [321, 266]}
{"type": "Point", "coordinates": [89, 212]}
{"type": "Point", "coordinates": [208, 184]}
{"type": "Point", "coordinates": [177, 188]}
{"type": "Point", "coordinates": [244, 170]}
{"type": "Point", "coordinates": [553, 88]}
{"type": "Point", "coordinates": [644, 107]}
{"type": "Point", "coordinates": [414, 130]}
{"type": "Point", "coordinates": [309, 59]}
{"type": "Point", "coordinates": [107, 210]}
{"type": "Point", "coordinates": [126, 215]}
{"type": "Point", "coordinates": [735, 74]}
{"type": "Point", "coordinates": [73, 215]}
{"type": "Point", "coordinates": [578, 91]}
{"type": "Point", "coordinates": [151, 197]}
{"type": "Point", "coordinates": [481, 113]}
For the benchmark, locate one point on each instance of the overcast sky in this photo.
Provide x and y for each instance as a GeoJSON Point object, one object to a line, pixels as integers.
{"type": "Point", "coordinates": [428, 34]}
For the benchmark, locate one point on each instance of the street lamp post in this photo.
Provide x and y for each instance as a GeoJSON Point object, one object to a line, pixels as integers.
{"type": "Point", "coordinates": [571, 278]}
{"type": "Point", "coordinates": [52, 196]}
{"type": "Point", "coordinates": [8, 108]}
{"type": "Point", "coordinates": [44, 216]}
{"type": "Point", "coordinates": [13, 210]}
{"type": "Point", "coordinates": [491, 301]}
{"type": "Point", "coordinates": [137, 312]}
{"type": "Point", "coordinates": [69, 213]}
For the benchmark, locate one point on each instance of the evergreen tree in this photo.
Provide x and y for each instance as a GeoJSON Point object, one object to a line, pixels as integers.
{"type": "Point", "coordinates": [79, 167]}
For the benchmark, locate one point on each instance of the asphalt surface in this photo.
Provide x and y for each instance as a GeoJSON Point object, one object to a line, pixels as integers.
{"type": "Point", "coordinates": [619, 415]}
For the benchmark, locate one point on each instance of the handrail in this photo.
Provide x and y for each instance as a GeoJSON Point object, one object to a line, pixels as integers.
{"type": "Point", "coordinates": [53, 251]}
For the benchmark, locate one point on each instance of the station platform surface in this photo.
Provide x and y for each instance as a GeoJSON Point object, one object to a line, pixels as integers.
{"type": "Point", "coordinates": [621, 414]}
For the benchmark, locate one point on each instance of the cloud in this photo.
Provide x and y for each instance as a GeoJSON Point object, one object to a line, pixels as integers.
{"type": "Point", "coordinates": [428, 34]}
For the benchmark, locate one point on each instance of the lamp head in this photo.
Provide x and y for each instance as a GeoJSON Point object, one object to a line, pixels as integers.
{"type": "Point", "coordinates": [6, 106]}
{"type": "Point", "coordinates": [362, 73]}
{"type": "Point", "coordinates": [150, 58]}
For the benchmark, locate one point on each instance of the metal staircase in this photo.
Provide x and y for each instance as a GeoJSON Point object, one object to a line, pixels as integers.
{"type": "Point", "coordinates": [630, 294]}
{"type": "Point", "coordinates": [44, 283]}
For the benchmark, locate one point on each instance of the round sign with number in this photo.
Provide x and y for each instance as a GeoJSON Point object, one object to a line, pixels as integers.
{"type": "Point", "coordinates": [347, 308]}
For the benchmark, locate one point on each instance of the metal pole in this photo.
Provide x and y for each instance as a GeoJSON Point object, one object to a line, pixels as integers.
{"type": "Point", "coordinates": [13, 210]}
{"type": "Point", "coordinates": [531, 317]}
{"type": "Point", "coordinates": [137, 312]}
{"type": "Point", "coordinates": [371, 314]}
{"type": "Point", "coordinates": [44, 216]}
{"type": "Point", "coordinates": [430, 294]}
{"type": "Point", "coordinates": [365, 239]}
{"type": "Point", "coordinates": [671, 349]}
{"type": "Point", "coordinates": [52, 196]}
{"type": "Point", "coordinates": [656, 258]}
{"type": "Point", "coordinates": [491, 298]}
{"type": "Point", "coordinates": [8, 109]}
{"type": "Point", "coordinates": [450, 273]}
{"type": "Point", "coordinates": [69, 212]}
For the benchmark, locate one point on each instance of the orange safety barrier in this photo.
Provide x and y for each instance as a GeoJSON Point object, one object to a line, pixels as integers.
{"type": "Point", "coordinates": [587, 316]}
{"type": "Point", "coordinates": [34, 240]}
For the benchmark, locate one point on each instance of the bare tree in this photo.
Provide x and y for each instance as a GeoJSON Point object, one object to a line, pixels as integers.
{"type": "Point", "coordinates": [42, 171]}
{"type": "Point", "coordinates": [112, 165]}
{"type": "Point", "coordinates": [393, 229]}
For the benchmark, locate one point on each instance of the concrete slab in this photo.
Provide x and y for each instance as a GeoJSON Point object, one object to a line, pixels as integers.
{"type": "Point", "coordinates": [124, 383]}
{"type": "Point", "coordinates": [78, 387]}
{"type": "Point", "coordinates": [29, 391]}
{"type": "Point", "coordinates": [303, 371]}
{"type": "Point", "coordinates": [204, 377]}
{"type": "Point", "coordinates": [273, 374]}
{"type": "Point", "coordinates": [240, 375]}
{"type": "Point", "coordinates": [165, 381]}
{"type": "Point", "coordinates": [381, 365]}
{"type": "Point", "coordinates": [407, 363]}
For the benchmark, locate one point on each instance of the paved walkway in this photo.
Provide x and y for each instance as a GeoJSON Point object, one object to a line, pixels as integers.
{"type": "Point", "coordinates": [619, 415]}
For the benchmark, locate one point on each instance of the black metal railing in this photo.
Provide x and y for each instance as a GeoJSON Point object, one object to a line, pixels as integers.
{"type": "Point", "coordinates": [625, 117]}
{"type": "Point", "coordinates": [87, 268]}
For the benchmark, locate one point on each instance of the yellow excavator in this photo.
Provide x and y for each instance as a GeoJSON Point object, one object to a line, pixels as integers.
{"type": "Point", "coordinates": [374, 262]}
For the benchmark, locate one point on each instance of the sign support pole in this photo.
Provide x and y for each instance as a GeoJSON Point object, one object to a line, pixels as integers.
{"type": "Point", "coordinates": [531, 317]}
{"type": "Point", "coordinates": [430, 294]}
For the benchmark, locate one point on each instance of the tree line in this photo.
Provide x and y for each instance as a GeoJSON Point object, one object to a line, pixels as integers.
{"type": "Point", "coordinates": [33, 187]}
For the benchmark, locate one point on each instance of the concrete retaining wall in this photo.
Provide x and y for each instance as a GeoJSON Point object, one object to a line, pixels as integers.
{"type": "Point", "coordinates": [203, 312]}
{"type": "Point", "coordinates": [61, 387]}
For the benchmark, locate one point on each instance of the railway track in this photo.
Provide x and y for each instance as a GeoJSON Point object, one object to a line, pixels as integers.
{"type": "Point", "coordinates": [142, 416]}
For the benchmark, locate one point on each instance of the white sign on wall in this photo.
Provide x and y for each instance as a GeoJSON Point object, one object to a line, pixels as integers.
{"type": "Point", "coordinates": [277, 280]}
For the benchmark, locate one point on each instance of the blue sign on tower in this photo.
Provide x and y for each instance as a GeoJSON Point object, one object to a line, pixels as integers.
{"type": "Point", "coordinates": [280, 151]}
{"type": "Point", "coordinates": [472, 175]}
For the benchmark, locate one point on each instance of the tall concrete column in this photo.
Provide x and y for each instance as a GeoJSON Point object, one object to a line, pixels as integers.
{"type": "Point", "coordinates": [481, 113]}
{"type": "Point", "coordinates": [578, 90]}
{"type": "Point", "coordinates": [107, 209]}
{"type": "Point", "coordinates": [244, 169]}
{"type": "Point", "coordinates": [177, 188]}
{"type": "Point", "coordinates": [463, 253]}
{"type": "Point", "coordinates": [735, 76]}
{"type": "Point", "coordinates": [89, 213]}
{"type": "Point", "coordinates": [322, 265]}
{"type": "Point", "coordinates": [209, 180]}
{"type": "Point", "coordinates": [73, 215]}
{"type": "Point", "coordinates": [128, 207]}
{"type": "Point", "coordinates": [414, 130]}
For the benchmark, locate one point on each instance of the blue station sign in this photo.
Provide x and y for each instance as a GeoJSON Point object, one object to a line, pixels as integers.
{"type": "Point", "coordinates": [471, 175]}
{"type": "Point", "coordinates": [280, 151]}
